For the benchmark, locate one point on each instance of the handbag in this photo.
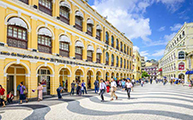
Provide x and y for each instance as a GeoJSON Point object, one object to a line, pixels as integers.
{"type": "Point", "coordinates": [2, 96]}
{"type": "Point", "coordinates": [25, 91]}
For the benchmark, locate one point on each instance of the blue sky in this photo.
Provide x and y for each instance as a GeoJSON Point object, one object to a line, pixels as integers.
{"type": "Point", "coordinates": [149, 24]}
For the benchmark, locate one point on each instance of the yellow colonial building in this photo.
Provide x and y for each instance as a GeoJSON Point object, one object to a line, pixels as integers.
{"type": "Point", "coordinates": [177, 55]}
{"type": "Point", "coordinates": [56, 42]}
{"type": "Point", "coordinates": [136, 65]}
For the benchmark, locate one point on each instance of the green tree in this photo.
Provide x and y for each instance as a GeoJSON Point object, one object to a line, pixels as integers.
{"type": "Point", "coordinates": [144, 74]}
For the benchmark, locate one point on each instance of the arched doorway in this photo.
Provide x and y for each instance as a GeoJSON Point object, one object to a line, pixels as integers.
{"type": "Point", "coordinates": [113, 75]}
{"type": "Point", "coordinates": [15, 75]}
{"type": "Point", "coordinates": [181, 76]}
{"type": "Point", "coordinates": [121, 76]}
{"type": "Point", "coordinates": [64, 80]}
{"type": "Point", "coordinates": [44, 75]}
{"type": "Point", "coordinates": [117, 76]}
{"type": "Point", "coordinates": [107, 76]}
{"type": "Point", "coordinates": [89, 79]}
{"type": "Point", "coordinates": [125, 76]}
{"type": "Point", "coordinates": [98, 75]}
{"type": "Point", "coordinates": [78, 75]}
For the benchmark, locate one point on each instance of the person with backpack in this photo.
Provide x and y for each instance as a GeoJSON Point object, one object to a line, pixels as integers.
{"type": "Point", "coordinates": [102, 88]}
{"type": "Point", "coordinates": [22, 93]}
{"type": "Point", "coordinates": [96, 84]}
{"type": "Point", "coordinates": [84, 86]}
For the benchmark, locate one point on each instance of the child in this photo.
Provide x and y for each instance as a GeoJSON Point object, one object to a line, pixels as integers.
{"type": "Point", "coordinates": [10, 97]}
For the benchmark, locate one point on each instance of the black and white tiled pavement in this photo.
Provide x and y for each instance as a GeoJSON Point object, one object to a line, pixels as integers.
{"type": "Point", "coordinates": [151, 102]}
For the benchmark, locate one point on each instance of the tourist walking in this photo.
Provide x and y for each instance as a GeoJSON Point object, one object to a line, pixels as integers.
{"type": "Point", "coordinates": [72, 88]}
{"type": "Point", "coordinates": [151, 81]}
{"type": "Point", "coordinates": [108, 86]}
{"type": "Point", "coordinates": [84, 86]}
{"type": "Point", "coordinates": [123, 84]}
{"type": "Point", "coordinates": [2, 95]}
{"type": "Point", "coordinates": [102, 88]}
{"type": "Point", "coordinates": [59, 90]}
{"type": "Point", "coordinates": [129, 86]}
{"type": "Point", "coordinates": [142, 83]}
{"type": "Point", "coordinates": [23, 92]}
{"type": "Point", "coordinates": [40, 92]}
{"type": "Point", "coordinates": [191, 83]}
{"type": "Point", "coordinates": [133, 82]}
{"type": "Point", "coordinates": [96, 85]}
{"type": "Point", "coordinates": [113, 89]}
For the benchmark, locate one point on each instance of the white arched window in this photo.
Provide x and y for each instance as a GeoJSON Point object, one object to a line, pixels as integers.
{"type": "Point", "coordinates": [98, 55]}
{"type": "Point", "coordinates": [17, 33]}
{"type": "Point", "coordinates": [44, 40]}
{"type": "Point", "coordinates": [98, 32]}
{"type": "Point", "coordinates": [65, 12]}
{"type": "Point", "coordinates": [78, 20]}
{"type": "Point", "coordinates": [90, 24]}
{"type": "Point", "coordinates": [112, 60]}
{"type": "Point", "coordinates": [107, 58]}
{"type": "Point", "coordinates": [90, 51]}
{"type": "Point", "coordinates": [64, 42]}
{"type": "Point", "coordinates": [112, 41]}
{"type": "Point", "coordinates": [46, 6]}
{"type": "Point", "coordinates": [117, 61]}
{"type": "Point", "coordinates": [79, 50]}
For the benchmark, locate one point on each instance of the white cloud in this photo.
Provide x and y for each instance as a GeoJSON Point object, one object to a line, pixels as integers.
{"type": "Point", "coordinates": [169, 37]}
{"type": "Point", "coordinates": [144, 53]}
{"type": "Point", "coordinates": [163, 41]}
{"type": "Point", "coordinates": [128, 16]}
{"type": "Point", "coordinates": [176, 27]}
{"type": "Point", "coordinates": [161, 29]}
{"type": "Point", "coordinates": [136, 48]}
{"type": "Point", "coordinates": [172, 5]}
{"type": "Point", "coordinates": [159, 53]}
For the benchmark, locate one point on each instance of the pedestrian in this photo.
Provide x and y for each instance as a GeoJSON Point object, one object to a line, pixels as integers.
{"type": "Point", "coordinates": [96, 84]}
{"type": "Point", "coordinates": [151, 81]}
{"type": "Point", "coordinates": [191, 83]}
{"type": "Point", "coordinates": [40, 91]}
{"type": "Point", "coordinates": [102, 88]}
{"type": "Point", "coordinates": [129, 86]}
{"type": "Point", "coordinates": [82, 90]}
{"type": "Point", "coordinates": [72, 88]}
{"type": "Point", "coordinates": [10, 97]}
{"type": "Point", "coordinates": [113, 89]}
{"type": "Point", "coordinates": [133, 82]}
{"type": "Point", "coordinates": [23, 92]}
{"type": "Point", "coordinates": [164, 82]}
{"type": "Point", "coordinates": [2, 95]}
{"type": "Point", "coordinates": [84, 86]}
{"type": "Point", "coordinates": [123, 84]}
{"type": "Point", "coordinates": [142, 82]}
{"type": "Point", "coordinates": [107, 86]}
{"type": "Point", "coordinates": [59, 90]}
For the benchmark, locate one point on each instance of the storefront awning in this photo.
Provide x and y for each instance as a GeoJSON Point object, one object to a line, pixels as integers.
{"type": "Point", "coordinates": [189, 72]}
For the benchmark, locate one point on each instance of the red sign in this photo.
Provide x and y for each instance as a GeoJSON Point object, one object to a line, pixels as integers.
{"type": "Point", "coordinates": [181, 66]}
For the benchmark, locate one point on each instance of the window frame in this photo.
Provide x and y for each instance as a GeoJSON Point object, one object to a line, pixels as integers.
{"type": "Point", "coordinates": [64, 18]}
{"type": "Point", "coordinates": [44, 45]}
{"type": "Point", "coordinates": [62, 52]}
{"type": "Point", "coordinates": [11, 38]}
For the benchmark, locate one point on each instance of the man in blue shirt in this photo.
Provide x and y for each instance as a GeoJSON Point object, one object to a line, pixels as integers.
{"type": "Point", "coordinates": [96, 84]}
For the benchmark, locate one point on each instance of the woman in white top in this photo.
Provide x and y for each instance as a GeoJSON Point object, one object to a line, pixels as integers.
{"type": "Point", "coordinates": [102, 88]}
{"type": "Point", "coordinates": [129, 86]}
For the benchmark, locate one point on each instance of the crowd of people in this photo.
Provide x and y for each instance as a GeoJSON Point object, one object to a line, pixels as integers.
{"type": "Point", "coordinates": [77, 87]}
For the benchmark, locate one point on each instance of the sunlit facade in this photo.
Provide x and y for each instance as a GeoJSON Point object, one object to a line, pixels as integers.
{"type": "Point", "coordinates": [59, 41]}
